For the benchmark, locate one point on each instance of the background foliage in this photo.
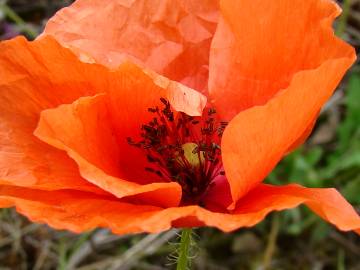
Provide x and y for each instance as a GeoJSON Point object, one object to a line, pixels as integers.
{"type": "Point", "coordinates": [295, 239]}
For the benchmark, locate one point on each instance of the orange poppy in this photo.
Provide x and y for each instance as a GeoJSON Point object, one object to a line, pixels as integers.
{"type": "Point", "coordinates": [142, 115]}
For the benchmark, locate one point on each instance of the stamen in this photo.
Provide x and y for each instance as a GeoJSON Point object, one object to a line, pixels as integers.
{"type": "Point", "coordinates": [183, 149]}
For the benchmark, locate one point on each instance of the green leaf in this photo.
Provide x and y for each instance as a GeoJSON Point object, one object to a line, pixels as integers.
{"type": "Point", "coordinates": [352, 190]}
{"type": "Point", "coordinates": [351, 124]}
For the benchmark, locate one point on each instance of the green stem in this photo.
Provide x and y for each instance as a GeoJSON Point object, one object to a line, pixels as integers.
{"type": "Point", "coordinates": [341, 26]}
{"type": "Point", "coordinates": [11, 14]}
{"type": "Point", "coordinates": [271, 245]}
{"type": "Point", "coordinates": [341, 260]}
{"type": "Point", "coordinates": [184, 249]}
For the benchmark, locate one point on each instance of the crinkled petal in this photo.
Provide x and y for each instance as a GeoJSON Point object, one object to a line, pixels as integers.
{"type": "Point", "coordinates": [257, 138]}
{"type": "Point", "coordinates": [260, 45]}
{"type": "Point", "coordinates": [171, 37]}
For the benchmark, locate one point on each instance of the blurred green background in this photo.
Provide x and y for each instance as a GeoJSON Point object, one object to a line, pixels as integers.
{"type": "Point", "coordinates": [295, 239]}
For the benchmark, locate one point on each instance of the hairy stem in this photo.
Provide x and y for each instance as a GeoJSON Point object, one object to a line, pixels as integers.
{"type": "Point", "coordinates": [184, 250]}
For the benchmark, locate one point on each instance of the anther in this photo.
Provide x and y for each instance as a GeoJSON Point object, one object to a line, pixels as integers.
{"type": "Point", "coordinates": [177, 154]}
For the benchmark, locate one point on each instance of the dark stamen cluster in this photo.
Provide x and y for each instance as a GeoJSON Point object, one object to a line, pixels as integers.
{"type": "Point", "coordinates": [183, 148]}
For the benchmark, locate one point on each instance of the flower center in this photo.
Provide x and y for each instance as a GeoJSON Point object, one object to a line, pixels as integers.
{"type": "Point", "coordinates": [183, 149]}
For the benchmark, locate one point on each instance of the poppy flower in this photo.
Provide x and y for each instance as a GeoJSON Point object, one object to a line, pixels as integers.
{"type": "Point", "coordinates": [142, 115]}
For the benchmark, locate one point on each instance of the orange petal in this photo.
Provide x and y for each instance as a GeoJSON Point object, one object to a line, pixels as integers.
{"type": "Point", "coordinates": [171, 37]}
{"type": "Point", "coordinates": [262, 200]}
{"type": "Point", "coordinates": [326, 202]}
{"type": "Point", "coordinates": [77, 211]}
{"type": "Point", "coordinates": [260, 45]}
{"type": "Point", "coordinates": [80, 211]}
{"type": "Point", "coordinates": [35, 76]}
{"type": "Point", "coordinates": [256, 139]}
